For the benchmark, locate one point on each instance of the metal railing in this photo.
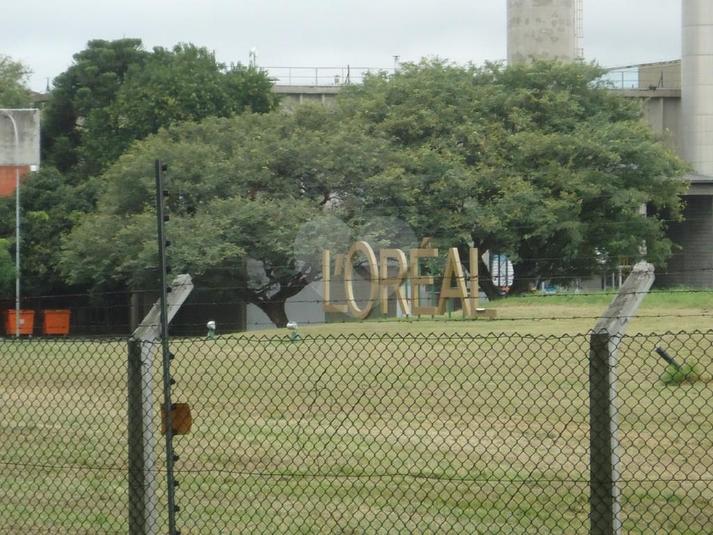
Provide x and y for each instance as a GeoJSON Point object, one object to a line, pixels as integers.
{"type": "Point", "coordinates": [321, 76]}
{"type": "Point", "coordinates": [647, 76]}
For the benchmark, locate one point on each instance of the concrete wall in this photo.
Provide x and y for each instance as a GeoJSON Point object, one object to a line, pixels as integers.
{"type": "Point", "coordinates": [665, 75]}
{"type": "Point", "coordinates": [294, 95]}
{"type": "Point", "coordinates": [26, 149]}
{"type": "Point", "coordinates": [541, 29]}
{"type": "Point", "coordinates": [305, 308]}
{"type": "Point", "coordinates": [662, 111]}
{"type": "Point", "coordinates": [693, 265]}
{"type": "Point", "coordinates": [19, 146]}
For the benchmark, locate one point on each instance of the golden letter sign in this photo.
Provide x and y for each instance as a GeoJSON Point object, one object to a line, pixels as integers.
{"type": "Point", "coordinates": [454, 285]}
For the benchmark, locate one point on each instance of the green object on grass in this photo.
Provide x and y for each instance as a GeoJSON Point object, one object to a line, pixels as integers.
{"type": "Point", "coordinates": [686, 373]}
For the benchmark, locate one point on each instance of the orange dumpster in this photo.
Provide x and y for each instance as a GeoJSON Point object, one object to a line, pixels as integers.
{"type": "Point", "coordinates": [55, 322]}
{"type": "Point", "coordinates": [27, 322]}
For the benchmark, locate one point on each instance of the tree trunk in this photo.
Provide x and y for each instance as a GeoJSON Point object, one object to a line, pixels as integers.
{"type": "Point", "coordinates": [275, 310]}
{"type": "Point", "coordinates": [525, 278]}
{"type": "Point", "coordinates": [485, 281]}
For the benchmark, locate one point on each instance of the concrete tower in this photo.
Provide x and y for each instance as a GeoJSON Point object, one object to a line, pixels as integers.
{"type": "Point", "coordinates": [544, 29]}
{"type": "Point", "coordinates": [697, 85]}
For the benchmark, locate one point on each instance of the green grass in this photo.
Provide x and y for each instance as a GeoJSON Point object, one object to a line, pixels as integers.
{"type": "Point", "coordinates": [547, 315]}
{"type": "Point", "coordinates": [370, 427]}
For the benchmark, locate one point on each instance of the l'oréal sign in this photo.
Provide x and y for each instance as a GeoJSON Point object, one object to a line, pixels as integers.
{"type": "Point", "coordinates": [455, 284]}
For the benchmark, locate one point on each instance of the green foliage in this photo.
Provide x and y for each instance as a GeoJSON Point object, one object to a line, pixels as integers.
{"type": "Point", "coordinates": [50, 206]}
{"type": "Point", "coordinates": [13, 77]}
{"type": "Point", "coordinates": [116, 93]}
{"type": "Point", "coordinates": [536, 161]}
{"type": "Point", "coordinates": [83, 93]}
{"type": "Point", "coordinates": [687, 373]}
{"type": "Point", "coordinates": [241, 189]}
{"type": "Point", "coordinates": [7, 268]}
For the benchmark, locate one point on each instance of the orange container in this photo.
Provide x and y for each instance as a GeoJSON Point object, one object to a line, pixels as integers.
{"type": "Point", "coordinates": [27, 322]}
{"type": "Point", "coordinates": [55, 322]}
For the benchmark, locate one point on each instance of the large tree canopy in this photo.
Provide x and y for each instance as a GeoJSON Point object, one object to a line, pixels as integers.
{"type": "Point", "coordinates": [241, 189]}
{"type": "Point", "coordinates": [13, 89]}
{"type": "Point", "coordinates": [540, 162]}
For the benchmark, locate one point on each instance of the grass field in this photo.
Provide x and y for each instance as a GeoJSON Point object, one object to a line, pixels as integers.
{"type": "Point", "coordinates": [552, 315]}
{"type": "Point", "coordinates": [372, 427]}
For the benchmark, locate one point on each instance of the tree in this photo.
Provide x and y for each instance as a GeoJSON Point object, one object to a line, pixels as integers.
{"type": "Point", "coordinates": [116, 93]}
{"type": "Point", "coordinates": [93, 115]}
{"type": "Point", "coordinates": [84, 93]}
{"type": "Point", "coordinates": [50, 206]}
{"type": "Point", "coordinates": [7, 268]}
{"type": "Point", "coordinates": [13, 77]}
{"type": "Point", "coordinates": [540, 162]}
{"type": "Point", "coordinates": [242, 188]}
{"type": "Point", "coordinates": [183, 84]}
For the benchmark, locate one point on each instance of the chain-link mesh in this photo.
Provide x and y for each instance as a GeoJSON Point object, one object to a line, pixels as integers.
{"type": "Point", "coordinates": [63, 447]}
{"type": "Point", "coordinates": [357, 434]}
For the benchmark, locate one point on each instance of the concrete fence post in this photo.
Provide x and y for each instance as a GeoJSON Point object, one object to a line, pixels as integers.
{"type": "Point", "coordinates": [137, 523]}
{"type": "Point", "coordinates": [143, 412]}
{"type": "Point", "coordinates": [604, 495]}
{"type": "Point", "coordinates": [605, 504]}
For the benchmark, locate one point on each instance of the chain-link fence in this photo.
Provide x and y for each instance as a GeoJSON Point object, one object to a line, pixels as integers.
{"type": "Point", "coordinates": [356, 434]}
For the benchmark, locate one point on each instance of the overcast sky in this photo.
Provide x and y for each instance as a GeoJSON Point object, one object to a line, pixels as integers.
{"type": "Point", "coordinates": [44, 34]}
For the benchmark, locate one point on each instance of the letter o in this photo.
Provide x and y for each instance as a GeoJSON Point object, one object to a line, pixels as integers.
{"type": "Point", "coordinates": [365, 249]}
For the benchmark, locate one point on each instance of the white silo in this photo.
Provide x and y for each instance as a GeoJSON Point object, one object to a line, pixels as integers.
{"type": "Point", "coordinates": [697, 85]}
{"type": "Point", "coordinates": [544, 29]}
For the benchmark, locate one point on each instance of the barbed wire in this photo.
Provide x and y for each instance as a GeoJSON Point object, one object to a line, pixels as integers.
{"type": "Point", "coordinates": [341, 475]}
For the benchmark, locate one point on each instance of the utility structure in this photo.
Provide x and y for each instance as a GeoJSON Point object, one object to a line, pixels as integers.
{"type": "Point", "coordinates": [697, 85]}
{"type": "Point", "coordinates": [544, 29]}
{"type": "Point", "coordinates": [19, 153]}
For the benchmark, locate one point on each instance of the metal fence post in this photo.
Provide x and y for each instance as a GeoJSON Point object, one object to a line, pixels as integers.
{"type": "Point", "coordinates": [604, 497]}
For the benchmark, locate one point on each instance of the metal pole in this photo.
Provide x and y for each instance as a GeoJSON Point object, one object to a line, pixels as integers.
{"type": "Point", "coordinates": [143, 473]}
{"type": "Point", "coordinates": [17, 244]}
{"type": "Point", "coordinates": [167, 379]}
{"type": "Point", "coordinates": [604, 494]}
